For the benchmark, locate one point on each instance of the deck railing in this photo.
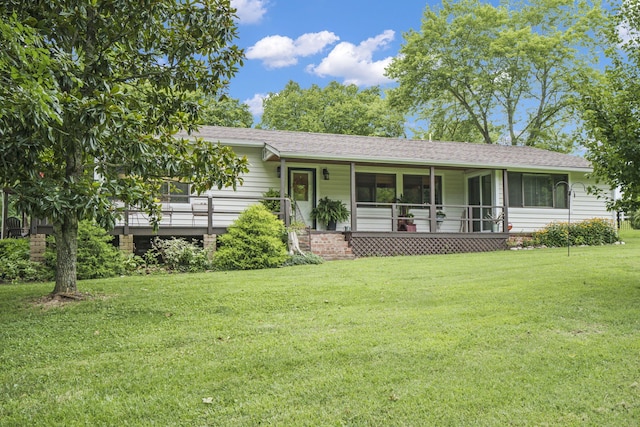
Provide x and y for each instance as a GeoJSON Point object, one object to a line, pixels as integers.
{"type": "Point", "coordinates": [201, 212]}
{"type": "Point", "coordinates": [374, 216]}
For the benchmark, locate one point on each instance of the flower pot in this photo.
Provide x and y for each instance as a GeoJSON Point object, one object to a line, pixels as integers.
{"type": "Point", "coordinates": [411, 228]}
{"type": "Point", "coordinates": [331, 226]}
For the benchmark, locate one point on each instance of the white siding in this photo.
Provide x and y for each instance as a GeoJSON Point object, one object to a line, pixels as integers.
{"type": "Point", "coordinates": [583, 206]}
{"type": "Point", "coordinates": [263, 175]}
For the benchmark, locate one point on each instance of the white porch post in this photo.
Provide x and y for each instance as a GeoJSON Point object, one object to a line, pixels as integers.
{"type": "Point", "coordinates": [433, 223]}
{"type": "Point", "coordinates": [505, 201]}
{"type": "Point", "coordinates": [354, 203]}
{"type": "Point", "coordinates": [284, 207]}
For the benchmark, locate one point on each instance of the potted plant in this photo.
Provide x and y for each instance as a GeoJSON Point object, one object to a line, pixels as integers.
{"type": "Point", "coordinates": [495, 222]}
{"type": "Point", "coordinates": [440, 216]}
{"type": "Point", "coordinates": [329, 212]}
{"type": "Point", "coordinates": [405, 218]}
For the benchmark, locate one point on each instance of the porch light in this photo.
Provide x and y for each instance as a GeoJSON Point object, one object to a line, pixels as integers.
{"type": "Point", "coordinates": [278, 171]}
{"type": "Point", "coordinates": [325, 174]}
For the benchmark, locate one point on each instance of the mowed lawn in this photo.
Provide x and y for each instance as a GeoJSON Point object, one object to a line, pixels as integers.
{"type": "Point", "coordinates": [522, 338]}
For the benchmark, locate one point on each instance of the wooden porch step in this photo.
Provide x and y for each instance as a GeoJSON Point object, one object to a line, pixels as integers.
{"type": "Point", "coordinates": [330, 245]}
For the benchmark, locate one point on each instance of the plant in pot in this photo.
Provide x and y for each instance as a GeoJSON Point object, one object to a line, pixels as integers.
{"type": "Point", "coordinates": [495, 221]}
{"type": "Point", "coordinates": [405, 218]}
{"type": "Point", "coordinates": [329, 212]}
{"type": "Point", "coordinates": [440, 216]}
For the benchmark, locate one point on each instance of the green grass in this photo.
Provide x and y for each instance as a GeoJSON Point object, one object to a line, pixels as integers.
{"type": "Point", "coordinates": [524, 338]}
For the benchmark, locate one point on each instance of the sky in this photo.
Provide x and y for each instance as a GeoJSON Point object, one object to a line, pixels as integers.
{"type": "Point", "coordinates": [316, 42]}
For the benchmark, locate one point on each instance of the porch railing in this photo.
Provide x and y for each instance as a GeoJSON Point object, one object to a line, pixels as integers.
{"type": "Point", "coordinates": [374, 216]}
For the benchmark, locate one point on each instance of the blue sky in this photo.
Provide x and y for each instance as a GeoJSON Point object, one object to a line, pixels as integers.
{"type": "Point", "coordinates": [318, 41]}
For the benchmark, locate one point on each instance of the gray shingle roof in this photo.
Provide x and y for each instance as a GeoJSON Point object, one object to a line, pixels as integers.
{"type": "Point", "coordinates": [330, 147]}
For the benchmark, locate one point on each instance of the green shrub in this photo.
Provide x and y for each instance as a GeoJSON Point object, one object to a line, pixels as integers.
{"type": "Point", "coordinates": [596, 231]}
{"type": "Point", "coordinates": [272, 205]}
{"type": "Point", "coordinates": [254, 240]}
{"type": "Point", "coordinates": [97, 257]}
{"type": "Point", "coordinates": [297, 259]}
{"type": "Point", "coordinates": [15, 264]}
{"type": "Point", "coordinates": [14, 249]}
{"type": "Point", "coordinates": [179, 255]}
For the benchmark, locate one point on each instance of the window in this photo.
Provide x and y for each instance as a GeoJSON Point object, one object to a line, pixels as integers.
{"type": "Point", "coordinates": [537, 190]}
{"type": "Point", "coordinates": [416, 189]}
{"type": "Point", "coordinates": [174, 192]}
{"type": "Point", "coordinates": [373, 187]}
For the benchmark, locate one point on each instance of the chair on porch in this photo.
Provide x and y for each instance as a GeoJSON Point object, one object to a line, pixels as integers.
{"type": "Point", "coordinates": [463, 221]}
{"type": "Point", "coordinates": [199, 210]}
{"type": "Point", "coordinates": [14, 228]}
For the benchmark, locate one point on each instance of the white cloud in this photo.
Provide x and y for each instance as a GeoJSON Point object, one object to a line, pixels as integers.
{"type": "Point", "coordinates": [255, 103]}
{"type": "Point", "coordinates": [281, 51]}
{"type": "Point", "coordinates": [627, 34]}
{"type": "Point", "coordinates": [250, 11]}
{"type": "Point", "coordinates": [355, 64]}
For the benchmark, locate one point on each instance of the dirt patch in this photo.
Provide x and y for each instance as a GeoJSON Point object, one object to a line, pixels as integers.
{"type": "Point", "coordinates": [60, 300]}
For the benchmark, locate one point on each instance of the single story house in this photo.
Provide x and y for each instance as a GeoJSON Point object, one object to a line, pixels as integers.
{"type": "Point", "coordinates": [404, 196]}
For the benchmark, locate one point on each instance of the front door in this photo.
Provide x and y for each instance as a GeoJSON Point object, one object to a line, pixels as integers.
{"type": "Point", "coordinates": [302, 189]}
{"type": "Point", "coordinates": [480, 195]}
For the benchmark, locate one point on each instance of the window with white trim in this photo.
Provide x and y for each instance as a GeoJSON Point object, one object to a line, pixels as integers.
{"type": "Point", "coordinates": [375, 187]}
{"type": "Point", "coordinates": [537, 190]}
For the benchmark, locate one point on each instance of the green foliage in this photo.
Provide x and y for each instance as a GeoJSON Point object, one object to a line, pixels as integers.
{"type": "Point", "coordinates": [610, 108]}
{"type": "Point", "coordinates": [337, 108]}
{"type": "Point", "coordinates": [482, 73]}
{"type": "Point", "coordinates": [97, 256]}
{"type": "Point", "coordinates": [228, 112]}
{"type": "Point", "coordinates": [179, 255]}
{"type": "Point", "coordinates": [596, 231]}
{"type": "Point", "coordinates": [254, 240]}
{"type": "Point", "coordinates": [272, 205]}
{"type": "Point", "coordinates": [111, 85]}
{"type": "Point", "coordinates": [15, 264]}
{"type": "Point", "coordinates": [306, 259]}
{"type": "Point", "coordinates": [329, 210]}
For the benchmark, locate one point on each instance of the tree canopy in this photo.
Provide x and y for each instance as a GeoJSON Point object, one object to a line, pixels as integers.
{"type": "Point", "coordinates": [482, 73]}
{"type": "Point", "coordinates": [611, 112]}
{"type": "Point", "coordinates": [228, 112]}
{"type": "Point", "coordinates": [335, 108]}
{"type": "Point", "coordinates": [93, 95]}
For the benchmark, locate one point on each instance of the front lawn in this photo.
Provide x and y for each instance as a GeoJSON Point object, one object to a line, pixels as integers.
{"type": "Point", "coordinates": [506, 338]}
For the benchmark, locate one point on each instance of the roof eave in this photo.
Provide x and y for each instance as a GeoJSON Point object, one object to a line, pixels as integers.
{"type": "Point", "coordinates": [414, 162]}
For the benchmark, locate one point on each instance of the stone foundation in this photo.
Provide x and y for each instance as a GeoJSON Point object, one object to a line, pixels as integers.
{"type": "Point", "coordinates": [126, 243]}
{"type": "Point", "coordinates": [37, 246]}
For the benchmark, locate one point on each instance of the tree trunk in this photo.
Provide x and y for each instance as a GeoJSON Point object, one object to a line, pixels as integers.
{"type": "Point", "coordinates": [66, 233]}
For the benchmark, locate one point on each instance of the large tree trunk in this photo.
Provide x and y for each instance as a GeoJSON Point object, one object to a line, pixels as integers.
{"type": "Point", "coordinates": [66, 233]}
